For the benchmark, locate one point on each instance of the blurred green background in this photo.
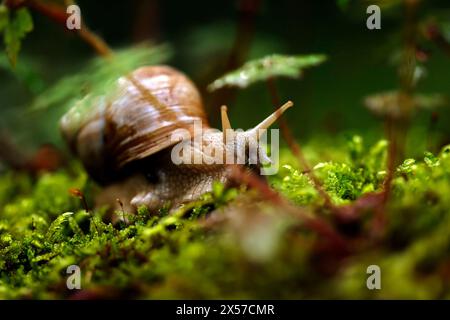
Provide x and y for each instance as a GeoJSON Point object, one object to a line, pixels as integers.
{"type": "Point", "coordinates": [329, 98]}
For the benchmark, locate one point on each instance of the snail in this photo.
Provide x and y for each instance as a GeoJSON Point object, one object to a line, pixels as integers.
{"type": "Point", "coordinates": [125, 140]}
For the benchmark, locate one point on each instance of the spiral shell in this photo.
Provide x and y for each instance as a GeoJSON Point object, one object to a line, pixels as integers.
{"type": "Point", "coordinates": [133, 122]}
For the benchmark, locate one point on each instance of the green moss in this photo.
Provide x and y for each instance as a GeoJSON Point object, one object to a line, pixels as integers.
{"type": "Point", "coordinates": [229, 244]}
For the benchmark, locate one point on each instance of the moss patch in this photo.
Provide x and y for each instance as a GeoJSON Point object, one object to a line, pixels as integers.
{"type": "Point", "coordinates": [233, 244]}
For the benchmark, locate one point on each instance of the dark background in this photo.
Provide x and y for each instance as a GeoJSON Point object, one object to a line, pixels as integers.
{"type": "Point", "coordinates": [202, 34]}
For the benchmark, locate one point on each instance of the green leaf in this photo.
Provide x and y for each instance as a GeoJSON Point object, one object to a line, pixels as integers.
{"type": "Point", "coordinates": [387, 103]}
{"type": "Point", "coordinates": [97, 78]}
{"type": "Point", "coordinates": [55, 232]}
{"type": "Point", "coordinates": [14, 30]}
{"type": "Point", "coordinates": [431, 160]}
{"type": "Point", "coordinates": [218, 189]}
{"type": "Point", "coordinates": [4, 17]}
{"type": "Point", "coordinates": [272, 66]}
{"type": "Point", "coordinates": [355, 146]}
{"type": "Point", "coordinates": [23, 21]}
{"type": "Point", "coordinates": [408, 166]}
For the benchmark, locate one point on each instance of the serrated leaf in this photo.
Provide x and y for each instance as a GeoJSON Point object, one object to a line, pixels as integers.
{"type": "Point", "coordinates": [4, 17]}
{"type": "Point", "coordinates": [272, 66]}
{"type": "Point", "coordinates": [12, 43]}
{"type": "Point", "coordinates": [23, 21]}
{"type": "Point", "coordinates": [14, 30]}
{"type": "Point", "coordinates": [97, 77]}
{"type": "Point", "coordinates": [387, 103]}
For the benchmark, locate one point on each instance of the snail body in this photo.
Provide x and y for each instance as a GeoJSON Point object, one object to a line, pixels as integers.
{"type": "Point", "coordinates": [125, 139]}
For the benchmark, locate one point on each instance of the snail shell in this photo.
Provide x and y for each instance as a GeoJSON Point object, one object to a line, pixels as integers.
{"type": "Point", "coordinates": [132, 123]}
{"type": "Point", "coordinates": [124, 139]}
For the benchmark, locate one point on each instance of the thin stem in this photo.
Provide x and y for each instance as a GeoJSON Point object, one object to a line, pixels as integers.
{"type": "Point", "coordinates": [245, 29]}
{"type": "Point", "coordinates": [59, 15]}
{"type": "Point", "coordinates": [294, 146]}
{"type": "Point", "coordinates": [314, 223]}
{"type": "Point", "coordinates": [96, 42]}
{"type": "Point", "coordinates": [80, 195]}
{"type": "Point", "coordinates": [397, 128]}
{"type": "Point", "coordinates": [121, 206]}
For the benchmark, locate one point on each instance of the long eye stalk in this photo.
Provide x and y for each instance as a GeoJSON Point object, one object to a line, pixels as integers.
{"type": "Point", "coordinates": [273, 117]}
{"type": "Point", "coordinates": [225, 121]}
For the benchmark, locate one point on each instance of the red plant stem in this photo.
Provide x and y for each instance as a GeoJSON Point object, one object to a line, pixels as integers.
{"type": "Point", "coordinates": [59, 15]}
{"type": "Point", "coordinates": [314, 223]}
{"type": "Point", "coordinates": [246, 25]}
{"type": "Point", "coordinates": [80, 195]}
{"type": "Point", "coordinates": [86, 207]}
{"type": "Point", "coordinates": [294, 146]}
{"type": "Point", "coordinates": [247, 10]}
{"type": "Point", "coordinates": [146, 21]}
{"type": "Point", "coordinates": [97, 43]}
{"type": "Point", "coordinates": [250, 179]}
{"type": "Point", "coordinates": [387, 184]}
{"type": "Point", "coordinates": [397, 128]}
{"type": "Point", "coordinates": [379, 221]}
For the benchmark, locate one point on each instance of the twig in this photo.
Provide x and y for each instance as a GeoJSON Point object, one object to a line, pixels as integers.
{"type": "Point", "coordinates": [96, 42]}
{"type": "Point", "coordinates": [59, 15]}
{"type": "Point", "coordinates": [314, 223]}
